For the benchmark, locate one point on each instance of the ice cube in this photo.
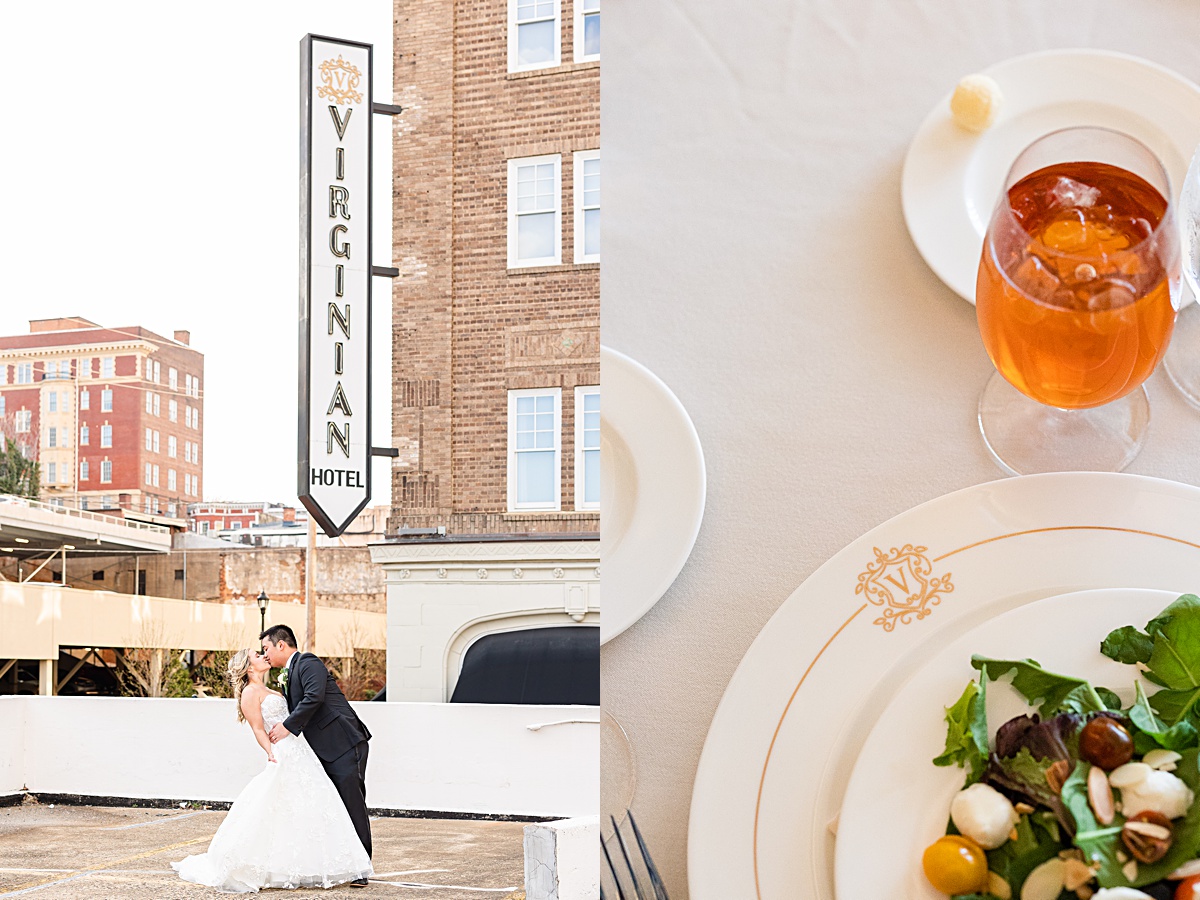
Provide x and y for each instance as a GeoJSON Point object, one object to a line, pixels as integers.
{"type": "Point", "coordinates": [1071, 193]}
{"type": "Point", "coordinates": [1109, 294]}
{"type": "Point", "coordinates": [1034, 278]}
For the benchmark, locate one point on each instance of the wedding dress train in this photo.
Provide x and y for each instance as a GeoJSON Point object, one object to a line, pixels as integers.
{"type": "Point", "coordinates": [287, 828]}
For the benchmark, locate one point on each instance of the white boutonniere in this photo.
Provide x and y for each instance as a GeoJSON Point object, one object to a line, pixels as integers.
{"type": "Point", "coordinates": [283, 679]}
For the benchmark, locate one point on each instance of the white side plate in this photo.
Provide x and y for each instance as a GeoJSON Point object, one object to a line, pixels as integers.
{"type": "Point", "coordinates": [952, 177]}
{"type": "Point", "coordinates": [651, 490]}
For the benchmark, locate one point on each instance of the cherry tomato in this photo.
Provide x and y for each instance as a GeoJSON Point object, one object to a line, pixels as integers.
{"type": "Point", "coordinates": [955, 865]}
{"type": "Point", "coordinates": [1106, 743]}
{"type": "Point", "coordinates": [1189, 889]}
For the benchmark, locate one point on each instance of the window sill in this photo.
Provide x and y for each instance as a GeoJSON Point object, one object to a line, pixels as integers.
{"type": "Point", "coordinates": [515, 515]}
{"type": "Point", "coordinates": [559, 267]}
{"type": "Point", "coordinates": [563, 69]}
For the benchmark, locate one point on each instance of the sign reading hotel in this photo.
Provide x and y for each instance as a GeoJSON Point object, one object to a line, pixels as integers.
{"type": "Point", "coordinates": [334, 441]}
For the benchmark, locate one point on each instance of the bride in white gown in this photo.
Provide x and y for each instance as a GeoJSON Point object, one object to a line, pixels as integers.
{"type": "Point", "coordinates": [288, 827]}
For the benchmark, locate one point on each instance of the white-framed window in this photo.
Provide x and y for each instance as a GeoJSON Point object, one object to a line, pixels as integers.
{"type": "Point", "coordinates": [171, 510]}
{"type": "Point", "coordinates": [24, 421]}
{"type": "Point", "coordinates": [149, 369]}
{"type": "Point", "coordinates": [52, 437]}
{"type": "Point", "coordinates": [51, 370]}
{"type": "Point", "coordinates": [157, 405]}
{"type": "Point", "coordinates": [155, 476]}
{"type": "Point", "coordinates": [2, 403]}
{"type": "Point", "coordinates": [149, 439]}
{"type": "Point", "coordinates": [587, 448]}
{"type": "Point", "coordinates": [172, 410]}
{"type": "Point", "coordinates": [173, 379]}
{"type": "Point", "coordinates": [52, 401]}
{"type": "Point", "coordinates": [108, 366]}
{"type": "Point", "coordinates": [85, 367]}
{"type": "Point", "coordinates": [83, 436]}
{"type": "Point", "coordinates": [85, 399]}
{"type": "Point", "coordinates": [149, 403]}
{"type": "Point", "coordinates": [51, 473]}
{"type": "Point", "coordinates": [106, 476]}
{"type": "Point", "coordinates": [65, 401]}
{"type": "Point", "coordinates": [106, 400]}
{"type": "Point", "coordinates": [587, 206]}
{"type": "Point", "coordinates": [156, 442]}
{"type": "Point", "coordinates": [533, 30]}
{"type": "Point", "coordinates": [24, 373]}
{"type": "Point", "coordinates": [534, 449]}
{"type": "Point", "coordinates": [105, 435]}
{"type": "Point", "coordinates": [83, 470]}
{"type": "Point", "coordinates": [148, 474]}
{"type": "Point", "coordinates": [157, 372]}
{"type": "Point", "coordinates": [587, 30]}
{"type": "Point", "coordinates": [172, 446]}
{"type": "Point", "coordinates": [535, 211]}
{"type": "Point", "coordinates": [170, 479]}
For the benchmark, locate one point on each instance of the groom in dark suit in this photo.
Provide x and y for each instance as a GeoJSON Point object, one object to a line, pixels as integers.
{"type": "Point", "coordinates": [318, 709]}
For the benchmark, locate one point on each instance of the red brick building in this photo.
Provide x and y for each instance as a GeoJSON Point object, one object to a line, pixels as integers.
{"type": "Point", "coordinates": [114, 416]}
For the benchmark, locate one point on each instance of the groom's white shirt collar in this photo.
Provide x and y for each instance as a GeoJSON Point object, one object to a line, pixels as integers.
{"type": "Point", "coordinates": [289, 662]}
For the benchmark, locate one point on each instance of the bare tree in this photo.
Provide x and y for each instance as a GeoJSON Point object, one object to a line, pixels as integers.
{"type": "Point", "coordinates": [152, 668]}
{"type": "Point", "coordinates": [362, 675]}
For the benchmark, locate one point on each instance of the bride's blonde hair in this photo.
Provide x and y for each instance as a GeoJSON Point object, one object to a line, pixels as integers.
{"type": "Point", "coordinates": [239, 675]}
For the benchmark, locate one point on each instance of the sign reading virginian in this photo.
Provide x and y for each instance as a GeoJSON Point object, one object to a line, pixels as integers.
{"type": "Point", "coordinates": [334, 441]}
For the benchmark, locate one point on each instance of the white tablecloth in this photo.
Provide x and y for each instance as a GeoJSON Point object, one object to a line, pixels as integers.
{"type": "Point", "coordinates": [756, 259]}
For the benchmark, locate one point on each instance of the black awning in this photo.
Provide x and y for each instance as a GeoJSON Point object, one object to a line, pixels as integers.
{"type": "Point", "coordinates": [558, 666]}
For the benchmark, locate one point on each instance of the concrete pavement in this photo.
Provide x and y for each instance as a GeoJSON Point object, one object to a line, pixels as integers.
{"type": "Point", "coordinates": [107, 853]}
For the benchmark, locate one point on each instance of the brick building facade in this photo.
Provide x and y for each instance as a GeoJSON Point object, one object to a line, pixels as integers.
{"type": "Point", "coordinates": [114, 416]}
{"type": "Point", "coordinates": [498, 303]}
{"type": "Point", "coordinates": [496, 347]}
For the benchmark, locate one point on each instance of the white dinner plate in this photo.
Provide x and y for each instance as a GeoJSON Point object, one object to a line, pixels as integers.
{"type": "Point", "coordinates": [897, 801]}
{"type": "Point", "coordinates": [651, 490]}
{"type": "Point", "coordinates": [953, 177]}
{"type": "Point", "coordinates": [812, 685]}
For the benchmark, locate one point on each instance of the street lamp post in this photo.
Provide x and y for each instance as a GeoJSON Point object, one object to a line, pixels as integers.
{"type": "Point", "coordinates": [263, 600]}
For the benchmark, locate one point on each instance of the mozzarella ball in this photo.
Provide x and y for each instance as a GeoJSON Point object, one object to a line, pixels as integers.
{"type": "Point", "coordinates": [1160, 792]}
{"type": "Point", "coordinates": [983, 814]}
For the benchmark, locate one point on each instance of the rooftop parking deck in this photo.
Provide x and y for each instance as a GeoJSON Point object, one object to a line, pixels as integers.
{"type": "Point", "coordinates": [59, 852]}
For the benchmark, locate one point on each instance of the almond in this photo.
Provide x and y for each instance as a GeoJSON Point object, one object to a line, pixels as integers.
{"type": "Point", "coordinates": [1130, 773]}
{"type": "Point", "coordinates": [1163, 760]}
{"type": "Point", "coordinates": [1100, 796]}
{"type": "Point", "coordinates": [998, 887]}
{"type": "Point", "coordinates": [1075, 874]}
{"type": "Point", "coordinates": [1045, 882]}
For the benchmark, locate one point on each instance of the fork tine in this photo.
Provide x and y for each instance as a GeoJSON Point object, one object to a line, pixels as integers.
{"type": "Point", "coordinates": [660, 890]}
{"type": "Point", "coordinates": [628, 862]}
{"type": "Point", "coordinates": [612, 870]}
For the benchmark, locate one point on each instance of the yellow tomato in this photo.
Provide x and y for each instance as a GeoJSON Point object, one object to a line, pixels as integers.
{"type": "Point", "coordinates": [955, 865]}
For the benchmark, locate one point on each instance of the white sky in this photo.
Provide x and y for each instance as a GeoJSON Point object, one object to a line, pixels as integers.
{"type": "Point", "coordinates": [151, 155]}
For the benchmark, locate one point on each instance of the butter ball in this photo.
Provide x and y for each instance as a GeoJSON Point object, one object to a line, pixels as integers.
{"type": "Point", "coordinates": [976, 102]}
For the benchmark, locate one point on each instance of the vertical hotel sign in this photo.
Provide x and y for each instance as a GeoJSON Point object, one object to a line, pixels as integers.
{"type": "Point", "coordinates": [334, 458]}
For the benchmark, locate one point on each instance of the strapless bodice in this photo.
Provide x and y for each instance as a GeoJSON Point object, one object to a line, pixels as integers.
{"type": "Point", "coordinates": [274, 710]}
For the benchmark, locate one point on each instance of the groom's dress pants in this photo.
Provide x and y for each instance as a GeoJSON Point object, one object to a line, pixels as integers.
{"type": "Point", "coordinates": [349, 775]}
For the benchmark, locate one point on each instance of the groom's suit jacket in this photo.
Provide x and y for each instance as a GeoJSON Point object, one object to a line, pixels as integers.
{"type": "Point", "coordinates": [318, 708]}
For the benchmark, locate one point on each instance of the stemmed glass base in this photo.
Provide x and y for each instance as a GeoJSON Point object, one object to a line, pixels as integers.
{"type": "Point", "coordinates": [1182, 361]}
{"type": "Point", "coordinates": [1025, 437]}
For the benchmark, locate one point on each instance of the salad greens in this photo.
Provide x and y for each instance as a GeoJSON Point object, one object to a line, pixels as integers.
{"type": "Point", "coordinates": [1032, 756]}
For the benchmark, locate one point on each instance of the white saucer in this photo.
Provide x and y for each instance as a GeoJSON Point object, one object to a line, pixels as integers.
{"type": "Point", "coordinates": [651, 490]}
{"type": "Point", "coordinates": [953, 177]}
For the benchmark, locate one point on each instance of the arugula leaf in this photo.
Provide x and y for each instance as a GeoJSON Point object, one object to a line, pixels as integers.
{"type": "Point", "coordinates": [966, 731]}
{"type": "Point", "coordinates": [1179, 736]}
{"type": "Point", "coordinates": [1038, 839]}
{"type": "Point", "coordinates": [1127, 645]}
{"type": "Point", "coordinates": [1056, 693]}
{"type": "Point", "coordinates": [1169, 651]}
{"type": "Point", "coordinates": [1099, 843]}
